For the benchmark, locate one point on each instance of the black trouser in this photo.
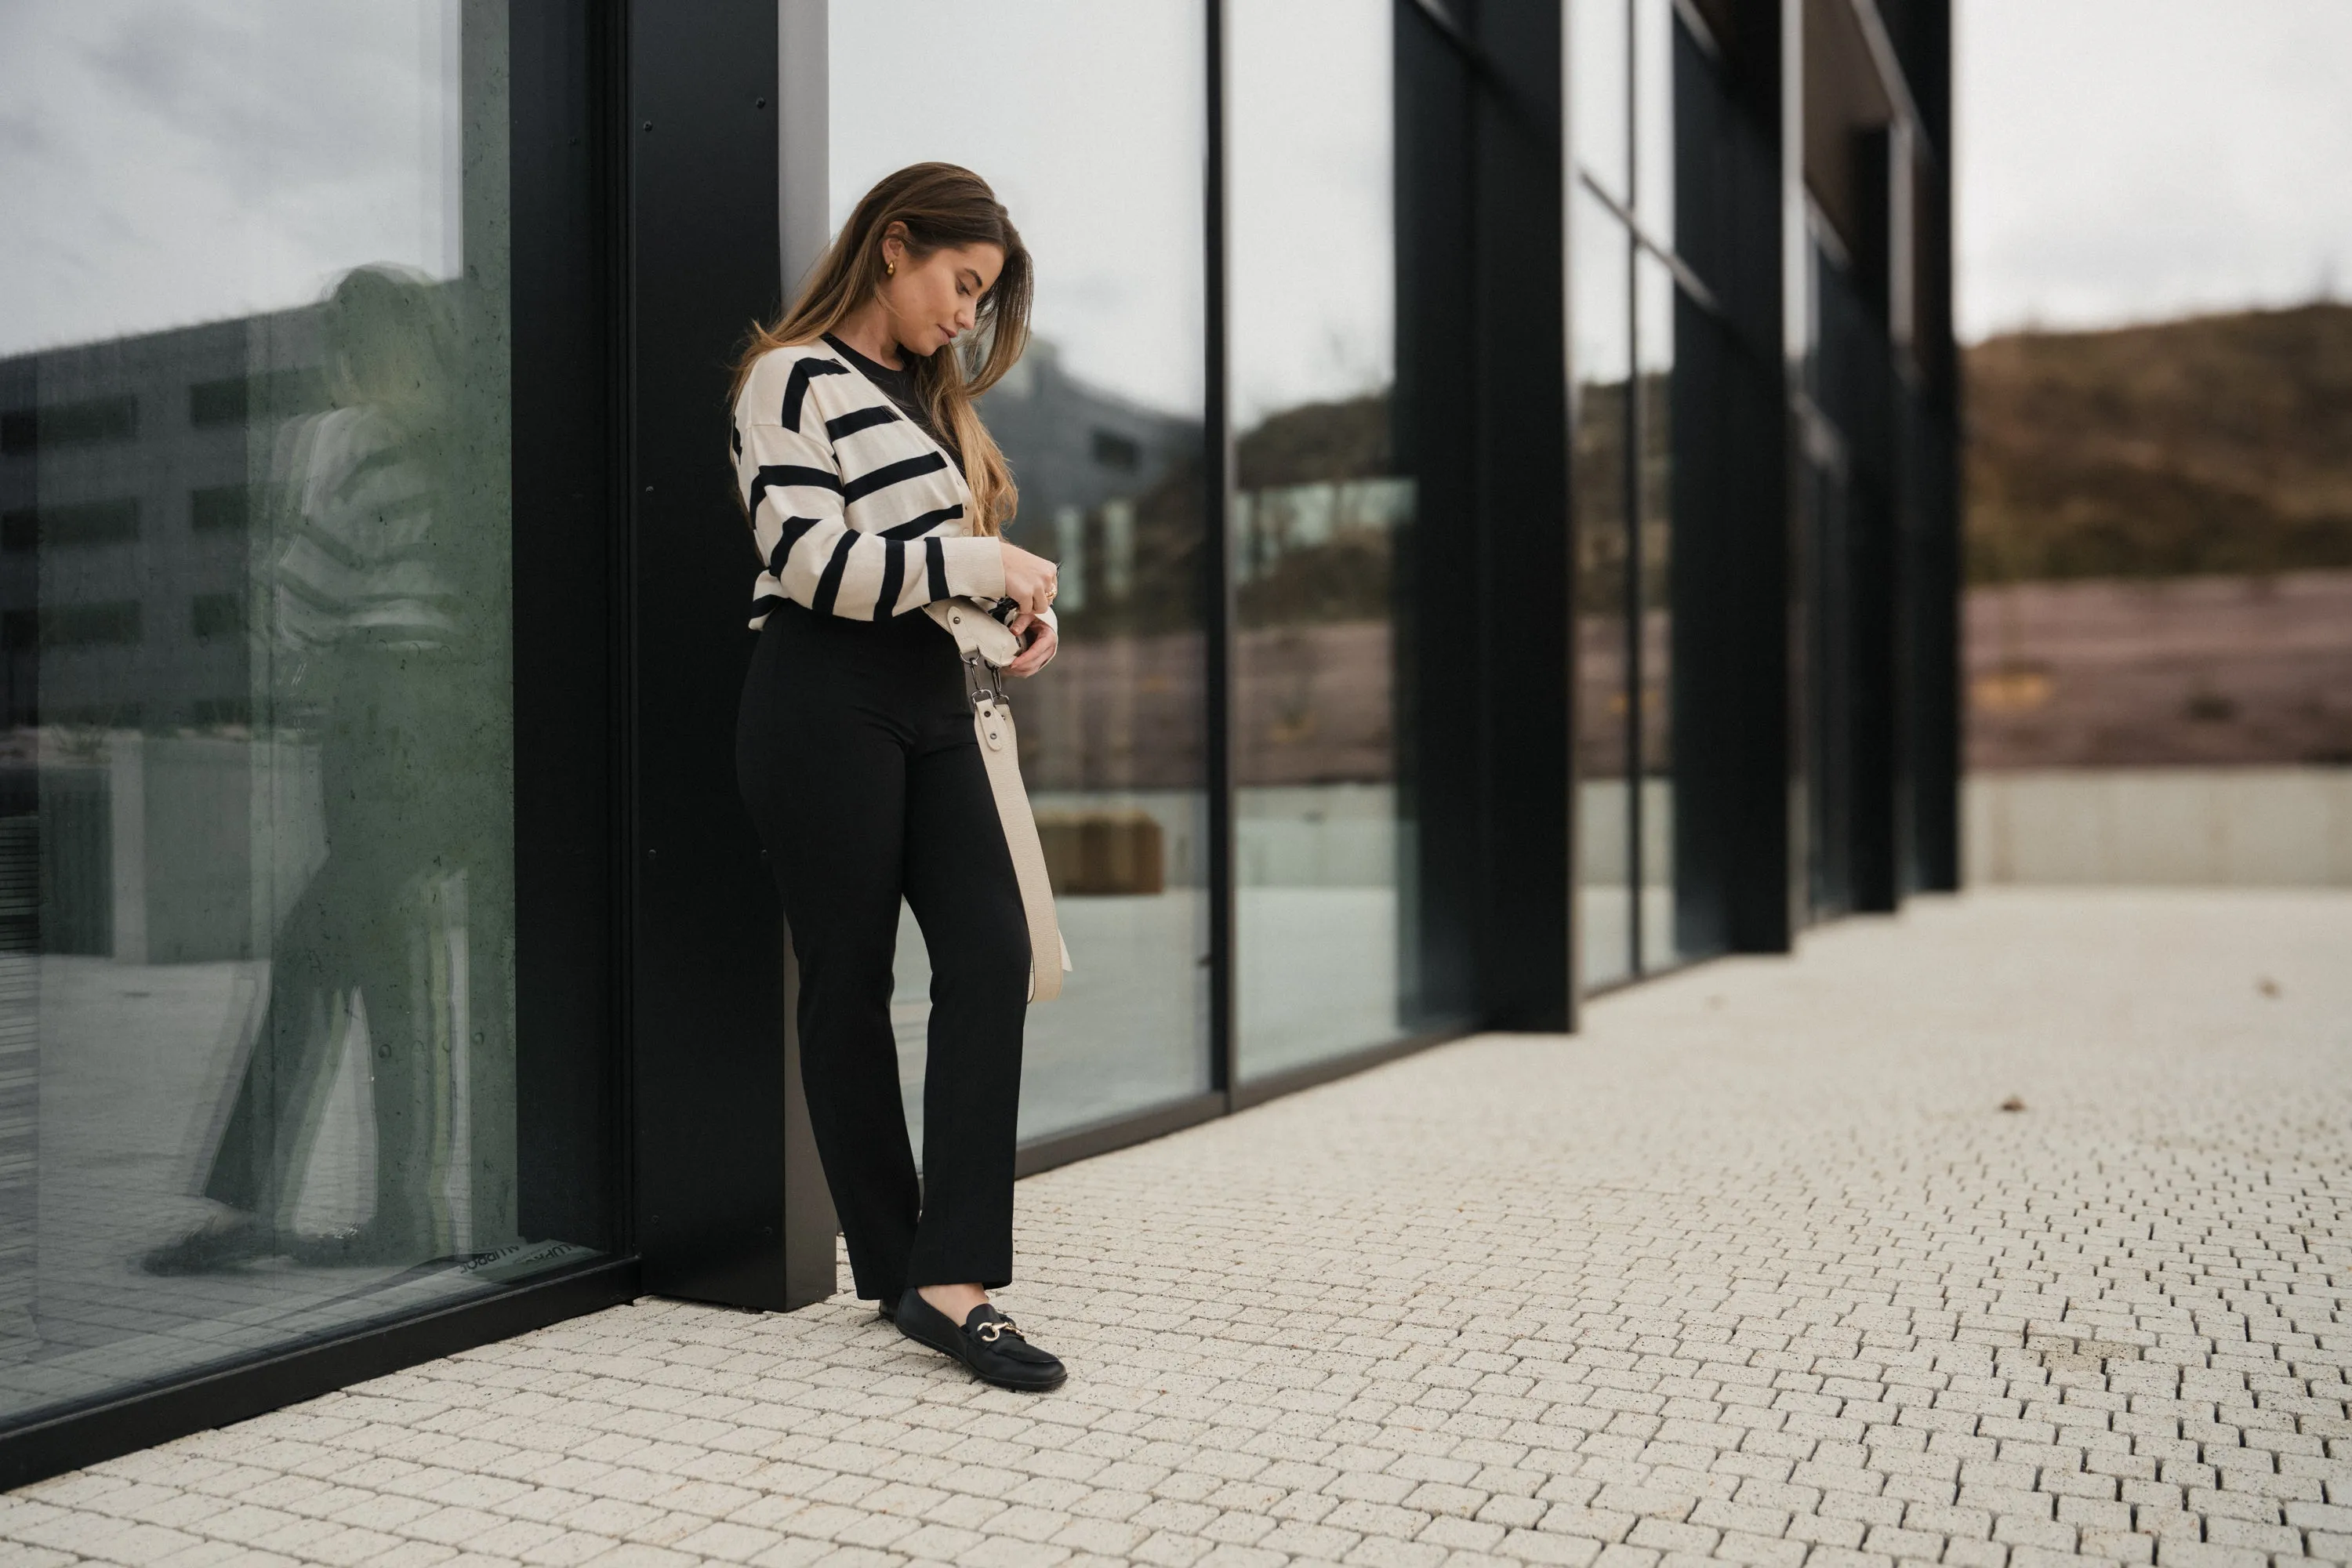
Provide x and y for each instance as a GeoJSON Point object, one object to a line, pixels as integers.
{"type": "Point", "coordinates": [856, 755]}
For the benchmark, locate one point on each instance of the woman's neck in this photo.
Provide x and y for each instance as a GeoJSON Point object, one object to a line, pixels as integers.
{"type": "Point", "coordinates": [868, 330]}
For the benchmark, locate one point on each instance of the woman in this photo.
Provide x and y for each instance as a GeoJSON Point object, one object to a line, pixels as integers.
{"type": "Point", "coordinates": [381, 642]}
{"type": "Point", "coordinates": [877, 502]}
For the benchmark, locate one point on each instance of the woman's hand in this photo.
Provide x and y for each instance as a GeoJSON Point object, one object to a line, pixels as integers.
{"type": "Point", "coordinates": [1033, 657]}
{"type": "Point", "coordinates": [1028, 581]}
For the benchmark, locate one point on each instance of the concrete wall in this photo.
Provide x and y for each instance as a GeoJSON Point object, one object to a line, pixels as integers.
{"type": "Point", "coordinates": [2254, 826]}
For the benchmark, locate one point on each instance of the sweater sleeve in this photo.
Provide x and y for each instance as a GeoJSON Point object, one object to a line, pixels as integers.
{"type": "Point", "coordinates": [1054, 626]}
{"type": "Point", "coordinates": [791, 485]}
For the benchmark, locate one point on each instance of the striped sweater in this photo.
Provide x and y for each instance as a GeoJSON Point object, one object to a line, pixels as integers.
{"type": "Point", "coordinates": [361, 564]}
{"type": "Point", "coordinates": [856, 510]}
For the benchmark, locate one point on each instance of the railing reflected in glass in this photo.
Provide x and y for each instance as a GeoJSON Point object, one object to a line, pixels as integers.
{"type": "Point", "coordinates": [1094, 138]}
{"type": "Point", "coordinates": [1321, 835]}
{"type": "Point", "coordinates": [256, 893]}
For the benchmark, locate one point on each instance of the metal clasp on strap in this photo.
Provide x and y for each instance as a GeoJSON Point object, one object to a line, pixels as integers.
{"type": "Point", "coordinates": [983, 681]}
{"type": "Point", "coordinates": [990, 716]}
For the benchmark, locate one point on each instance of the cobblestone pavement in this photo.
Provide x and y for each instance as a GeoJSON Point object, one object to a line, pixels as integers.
{"type": "Point", "coordinates": [1754, 1269]}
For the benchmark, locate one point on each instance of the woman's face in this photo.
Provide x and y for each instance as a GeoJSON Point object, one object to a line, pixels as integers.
{"type": "Point", "coordinates": [932, 300]}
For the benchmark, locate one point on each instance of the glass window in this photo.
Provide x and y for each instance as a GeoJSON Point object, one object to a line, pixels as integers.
{"type": "Point", "coordinates": [1599, 84]}
{"type": "Point", "coordinates": [1317, 833]}
{"type": "Point", "coordinates": [256, 903]}
{"type": "Point", "coordinates": [1601, 328]}
{"type": "Point", "coordinates": [1836, 315]}
{"type": "Point", "coordinates": [1655, 42]}
{"type": "Point", "coordinates": [1654, 303]}
{"type": "Point", "coordinates": [1101, 170]}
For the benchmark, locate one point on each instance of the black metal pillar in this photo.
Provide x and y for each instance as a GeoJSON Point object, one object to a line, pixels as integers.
{"type": "Point", "coordinates": [714, 1179]}
{"type": "Point", "coordinates": [1439, 727]}
{"type": "Point", "coordinates": [1938, 707]}
{"type": "Point", "coordinates": [1732, 671]}
{"type": "Point", "coordinates": [567, 671]}
{"type": "Point", "coordinates": [1482, 418]}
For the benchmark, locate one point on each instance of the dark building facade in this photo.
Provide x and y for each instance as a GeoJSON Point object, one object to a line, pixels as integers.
{"type": "Point", "coordinates": [1501, 458]}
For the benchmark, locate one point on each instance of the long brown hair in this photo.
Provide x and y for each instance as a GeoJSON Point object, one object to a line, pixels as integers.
{"type": "Point", "coordinates": [943, 206]}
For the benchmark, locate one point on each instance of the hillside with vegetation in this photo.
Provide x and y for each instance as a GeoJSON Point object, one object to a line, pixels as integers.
{"type": "Point", "coordinates": [2159, 545]}
{"type": "Point", "coordinates": [2214, 444]}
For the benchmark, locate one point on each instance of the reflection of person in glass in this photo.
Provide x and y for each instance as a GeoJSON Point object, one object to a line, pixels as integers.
{"type": "Point", "coordinates": [877, 501]}
{"type": "Point", "coordinates": [365, 641]}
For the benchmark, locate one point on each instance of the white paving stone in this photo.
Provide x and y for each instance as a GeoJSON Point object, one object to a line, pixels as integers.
{"type": "Point", "coordinates": [1753, 1270]}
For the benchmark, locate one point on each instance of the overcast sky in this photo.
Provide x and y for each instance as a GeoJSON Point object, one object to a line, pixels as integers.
{"type": "Point", "coordinates": [2128, 160]}
{"type": "Point", "coordinates": [166, 162]}
{"type": "Point", "coordinates": [1091, 129]}
{"type": "Point", "coordinates": [1086, 118]}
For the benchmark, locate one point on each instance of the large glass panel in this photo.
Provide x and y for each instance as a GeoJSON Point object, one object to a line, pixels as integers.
{"type": "Point", "coordinates": [1319, 840]}
{"type": "Point", "coordinates": [256, 1071]}
{"type": "Point", "coordinates": [1654, 376]}
{"type": "Point", "coordinates": [1093, 137]}
{"type": "Point", "coordinates": [1601, 288]}
{"type": "Point", "coordinates": [1837, 319]}
{"type": "Point", "coordinates": [1599, 83]}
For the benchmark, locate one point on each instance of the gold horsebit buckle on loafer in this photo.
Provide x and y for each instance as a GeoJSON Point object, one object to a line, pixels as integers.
{"type": "Point", "coordinates": [996, 1328]}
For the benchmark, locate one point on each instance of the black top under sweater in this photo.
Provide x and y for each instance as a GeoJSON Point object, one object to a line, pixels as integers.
{"type": "Point", "coordinates": [898, 385]}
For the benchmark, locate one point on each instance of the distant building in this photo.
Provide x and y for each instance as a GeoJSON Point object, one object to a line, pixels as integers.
{"type": "Point", "coordinates": [129, 474]}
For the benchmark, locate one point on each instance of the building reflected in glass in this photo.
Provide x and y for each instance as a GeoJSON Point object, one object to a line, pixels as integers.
{"type": "Point", "coordinates": [1321, 832]}
{"type": "Point", "coordinates": [256, 810]}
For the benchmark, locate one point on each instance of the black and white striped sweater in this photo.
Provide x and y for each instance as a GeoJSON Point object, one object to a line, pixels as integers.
{"type": "Point", "coordinates": [856, 510]}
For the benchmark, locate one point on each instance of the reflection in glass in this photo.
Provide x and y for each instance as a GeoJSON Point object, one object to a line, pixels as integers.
{"type": "Point", "coordinates": [1598, 87]}
{"type": "Point", "coordinates": [1835, 310]}
{"type": "Point", "coordinates": [1101, 422]}
{"type": "Point", "coordinates": [1654, 26]}
{"type": "Point", "coordinates": [1654, 342]}
{"type": "Point", "coordinates": [1317, 833]}
{"type": "Point", "coordinates": [378, 637]}
{"type": "Point", "coordinates": [255, 811]}
{"type": "Point", "coordinates": [1602, 356]}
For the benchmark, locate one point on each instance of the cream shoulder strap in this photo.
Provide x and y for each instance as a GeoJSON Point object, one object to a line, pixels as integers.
{"type": "Point", "coordinates": [999, 750]}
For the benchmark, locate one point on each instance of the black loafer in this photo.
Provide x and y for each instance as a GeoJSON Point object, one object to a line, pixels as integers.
{"type": "Point", "coordinates": [887, 1308]}
{"type": "Point", "coordinates": [988, 1342]}
{"type": "Point", "coordinates": [220, 1243]}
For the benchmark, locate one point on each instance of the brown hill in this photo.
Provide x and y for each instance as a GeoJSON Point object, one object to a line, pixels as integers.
{"type": "Point", "coordinates": [2218, 444]}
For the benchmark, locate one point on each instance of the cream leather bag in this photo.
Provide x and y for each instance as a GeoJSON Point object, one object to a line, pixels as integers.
{"type": "Point", "coordinates": [985, 645]}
